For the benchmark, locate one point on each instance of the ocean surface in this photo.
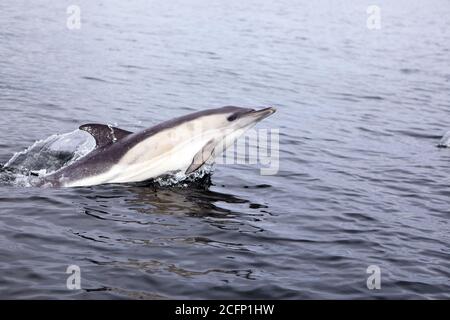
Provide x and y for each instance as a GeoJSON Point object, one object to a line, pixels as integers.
{"type": "Point", "coordinates": [360, 180]}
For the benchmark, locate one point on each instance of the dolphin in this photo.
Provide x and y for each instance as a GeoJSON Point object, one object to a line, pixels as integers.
{"type": "Point", "coordinates": [182, 144]}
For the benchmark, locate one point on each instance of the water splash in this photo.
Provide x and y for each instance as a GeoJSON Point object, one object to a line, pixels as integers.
{"type": "Point", "coordinates": [181, 179]}
{"type": "Point", "coordinates": [113, 134]}
{"type": "Point", "coordinates": [445, 141]}
{"type": "Point", "coordinates": [45, 156]}
{"type": "Point", "coordinates": [53, 153]}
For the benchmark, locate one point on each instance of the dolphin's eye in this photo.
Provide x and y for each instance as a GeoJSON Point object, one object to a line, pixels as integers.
{"type": "Point", "coordinates": [232, 117]}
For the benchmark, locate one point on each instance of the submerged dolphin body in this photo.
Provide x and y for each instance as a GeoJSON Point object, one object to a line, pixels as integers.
{"type": "Point", "coordinates": [181, 144]}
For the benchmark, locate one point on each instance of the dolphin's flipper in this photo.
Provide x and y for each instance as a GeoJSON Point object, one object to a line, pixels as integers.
{"type": "Point", "coordinates": [104, 134]}
{"type": "Point", "coordinates": [202, 156]}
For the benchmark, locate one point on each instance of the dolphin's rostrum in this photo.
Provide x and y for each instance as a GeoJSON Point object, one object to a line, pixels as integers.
{"type": "Point", "coordinates": [181, 144]}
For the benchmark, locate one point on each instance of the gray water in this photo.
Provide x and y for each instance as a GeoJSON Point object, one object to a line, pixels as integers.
{"type": "Point", "coordinates": [361, 181]}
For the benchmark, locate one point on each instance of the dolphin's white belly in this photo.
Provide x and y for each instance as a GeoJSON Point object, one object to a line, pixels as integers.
{"type": "Point", "coordinates": [178, 158]}
{"type": "Point", "coordinates": [153, 157]}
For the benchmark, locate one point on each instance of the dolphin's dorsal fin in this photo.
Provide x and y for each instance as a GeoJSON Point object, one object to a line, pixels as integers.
{"type": "Point", "coordinates": [104, 134]}
{"type": "Point", "coordinates": [202, 156]}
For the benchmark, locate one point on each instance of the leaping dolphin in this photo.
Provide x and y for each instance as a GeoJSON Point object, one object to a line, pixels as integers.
{"type": "Point", "coordinates": [181, 144]}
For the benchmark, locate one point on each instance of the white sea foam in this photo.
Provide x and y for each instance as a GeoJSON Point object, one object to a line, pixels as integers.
{"type": "Point", "coordinates": [445, 141]}
{"type": "Point", "coordinates": [181, 179]}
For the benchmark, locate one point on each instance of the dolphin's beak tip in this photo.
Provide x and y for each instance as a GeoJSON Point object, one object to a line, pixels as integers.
{"type": "Point", "coordinates": [270, 110]}
{"type": "Point", "coordinates": [263, 113]}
